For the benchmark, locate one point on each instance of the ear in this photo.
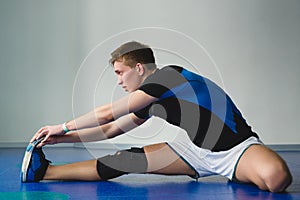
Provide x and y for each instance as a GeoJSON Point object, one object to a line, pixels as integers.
{"type": "Point", "coordinates": [140, 69]}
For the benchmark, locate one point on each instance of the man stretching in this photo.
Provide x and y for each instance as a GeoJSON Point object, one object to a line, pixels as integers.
{"type": "Point", "coordinates": [220, 141]}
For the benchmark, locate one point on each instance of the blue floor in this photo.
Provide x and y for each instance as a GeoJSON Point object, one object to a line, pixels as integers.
{"type": "Point", "coordinates": [130, 186]}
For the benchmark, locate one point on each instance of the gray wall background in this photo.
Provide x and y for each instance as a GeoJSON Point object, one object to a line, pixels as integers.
{"type": "Point", "coordinates": [255, 44]}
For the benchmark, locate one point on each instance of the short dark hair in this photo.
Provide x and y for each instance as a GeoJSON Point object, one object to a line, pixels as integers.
{"type": "Point", "coordinates": [132, 53]}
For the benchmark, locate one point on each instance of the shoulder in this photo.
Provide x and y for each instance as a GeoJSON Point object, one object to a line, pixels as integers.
{"type": "Point", "coordinates": [170, 69]}
{"type": "Point", "coordinates": [164, 75]}
{"type": "Point", "coordinates": [163, 80]}
{"type": "Point", "coordinates": [173, 68]}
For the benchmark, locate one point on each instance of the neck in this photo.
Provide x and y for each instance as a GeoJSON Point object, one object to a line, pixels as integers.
{"type": "Point", "coordinates": [148, 73]}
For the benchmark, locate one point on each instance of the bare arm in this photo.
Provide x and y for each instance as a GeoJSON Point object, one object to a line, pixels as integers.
{"type": "Point", "coordinates": [109, 112]}
{"type": "Point", "coordinates": [106, 131]}
{"type": "Point", "coordinates": [101, 115]}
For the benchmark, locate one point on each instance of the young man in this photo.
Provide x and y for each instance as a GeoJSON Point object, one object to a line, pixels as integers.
{"type": "Point", "coordinates": [220, 141]}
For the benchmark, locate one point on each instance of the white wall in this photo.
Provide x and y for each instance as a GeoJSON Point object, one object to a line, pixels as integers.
{"type": "Point", "coordinates": [254, 44]}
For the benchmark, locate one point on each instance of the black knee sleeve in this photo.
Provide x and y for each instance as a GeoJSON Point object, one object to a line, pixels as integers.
{"type": "Point", "coordinates": [122, 162]}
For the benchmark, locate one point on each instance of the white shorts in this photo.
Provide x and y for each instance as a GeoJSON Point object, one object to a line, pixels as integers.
{"type": "Point", "coordinates": [206, 162]}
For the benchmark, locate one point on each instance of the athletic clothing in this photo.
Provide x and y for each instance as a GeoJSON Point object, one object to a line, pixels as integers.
{"type": "Point", "coordinates": [198, 106]}
{"type": "Point", "coordinates": [206, 162]}
{"type": "Point", "coordinates": [217, 134]}
{"type": "Point", "coordinates": [122, 162]}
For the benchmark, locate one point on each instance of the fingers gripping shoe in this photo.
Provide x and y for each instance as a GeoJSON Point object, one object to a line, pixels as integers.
{"type": "Point", "coordinates": [34, 164]}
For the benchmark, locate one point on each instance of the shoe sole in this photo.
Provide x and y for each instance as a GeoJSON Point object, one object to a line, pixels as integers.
{"type": "Point", "coordinates": [27, 158]}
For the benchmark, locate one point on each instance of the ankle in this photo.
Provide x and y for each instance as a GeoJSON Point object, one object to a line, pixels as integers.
{"type": "Point", "coordinates": [47, 175]}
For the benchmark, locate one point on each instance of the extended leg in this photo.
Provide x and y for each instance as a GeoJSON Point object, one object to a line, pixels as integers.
{"type": "Point", "coordinates": [84, 171]}
{"type": "Point", "coordinates": [157, 158]}
{"type": "Point", "coordinates": [160, 158]}
{"type": "Point", "coordinates": [263, 167]}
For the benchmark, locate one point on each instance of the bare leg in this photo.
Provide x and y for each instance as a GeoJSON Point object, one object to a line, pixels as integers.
{"type": "Point", "coordinates": [84, 171]}
{"type": "Point", "coordinates": [263, 167]}
{"type": "Point", "coordinates": [161, 160]}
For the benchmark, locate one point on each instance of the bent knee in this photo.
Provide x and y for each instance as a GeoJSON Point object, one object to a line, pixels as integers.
{"type": "Point", "coordinates": [277, 178]}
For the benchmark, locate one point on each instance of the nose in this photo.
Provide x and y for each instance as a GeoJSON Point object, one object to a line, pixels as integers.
{"type": "Point", "coordinates": [120, 80]}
